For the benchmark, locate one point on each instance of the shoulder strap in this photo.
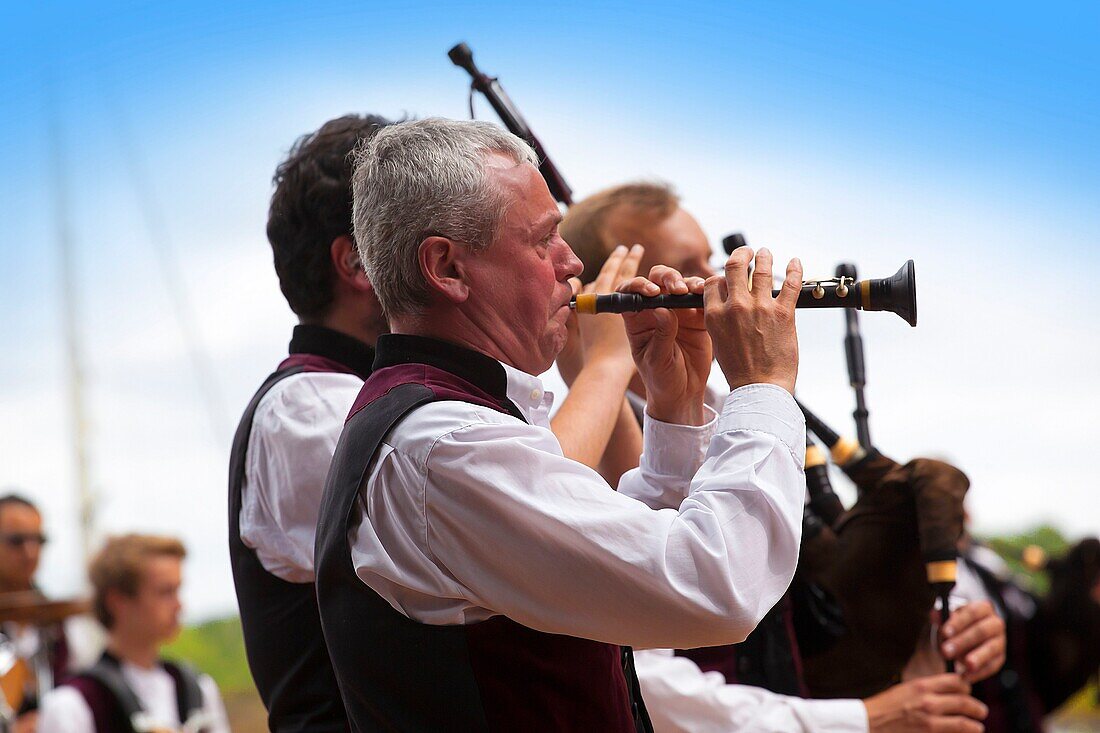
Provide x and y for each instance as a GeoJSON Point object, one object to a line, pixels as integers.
{"type": "Point", "coordinates": [108, 674]}
{"type": "Point", "coordinates": [189, 697]}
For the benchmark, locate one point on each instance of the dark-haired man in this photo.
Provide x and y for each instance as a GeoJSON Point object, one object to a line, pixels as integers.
{"type": "Point", "coordinates": [286, 438]}
{"type": "Point", "coordinates": [284, 444]}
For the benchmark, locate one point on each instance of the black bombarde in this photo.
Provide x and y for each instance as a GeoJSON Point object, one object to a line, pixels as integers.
{"type": "Point", "coordinates": [896, 294]}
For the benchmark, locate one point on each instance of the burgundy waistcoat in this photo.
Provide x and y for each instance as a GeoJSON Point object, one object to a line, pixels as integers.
{"type": "Point", "coordinates": [398, 674]}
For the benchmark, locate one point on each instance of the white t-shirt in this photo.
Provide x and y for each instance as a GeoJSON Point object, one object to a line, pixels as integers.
{"type": "Point", "coordinates": [64, 710]}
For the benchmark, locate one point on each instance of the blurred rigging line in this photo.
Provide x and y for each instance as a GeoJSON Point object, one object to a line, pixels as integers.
{"type": "Point", "coordinates": [73, 351]}
{"type": "Point", "coordinates": [160, 242]}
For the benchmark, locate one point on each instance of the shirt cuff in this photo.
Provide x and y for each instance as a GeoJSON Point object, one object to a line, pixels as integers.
{"type": "Point", "coordinates": [675, 450]}
{"type": "Point", "coordinates": [766, 408]}
{"type": "Point", "coordinates": [839, 716]}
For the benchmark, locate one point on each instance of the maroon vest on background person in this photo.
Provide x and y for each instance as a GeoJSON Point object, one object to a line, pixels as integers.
{"type": "Point", "coordinates": [112, 702]}
{"type": "Point", "coordinates": [768, 658]}
{"type": "Point", "coordinates": [282, 630]}
{"type": "Point", "coordinates": [399, 674]}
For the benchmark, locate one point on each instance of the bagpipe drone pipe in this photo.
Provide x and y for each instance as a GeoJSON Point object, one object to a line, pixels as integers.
{"type": "Point", "coordinates": [884, 561]}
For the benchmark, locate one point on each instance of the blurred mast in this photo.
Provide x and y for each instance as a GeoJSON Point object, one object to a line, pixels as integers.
{"type": "Point", "coordinates": [73, 346]}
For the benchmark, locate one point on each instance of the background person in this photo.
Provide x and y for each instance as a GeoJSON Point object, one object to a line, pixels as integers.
{"type": "Point", "coordinates": [682, 697]}
{"type": "Point", "coordinates": [135, 582]}
{"type": "Point", "coordinates": [44, 654]}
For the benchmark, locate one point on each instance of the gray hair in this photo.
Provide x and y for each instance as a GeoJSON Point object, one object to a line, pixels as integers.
{"type": "Point", "coordinates": [419, 179]}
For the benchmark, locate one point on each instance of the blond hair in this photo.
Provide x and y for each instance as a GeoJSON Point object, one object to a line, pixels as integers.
{"type": "Point", "coordinates": [118, 565]}
{"type": "Point", "coordinates": [587, 229]}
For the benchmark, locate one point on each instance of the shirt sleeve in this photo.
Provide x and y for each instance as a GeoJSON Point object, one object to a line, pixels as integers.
{"type": "Point", "coordinates": [294, 434]}
{"type": "Point", "coordinates": [63, 710]}
{"type": "Point", "coordinates": [681, 698]}
{"type": "Point", "coordinates": [213, 708]}
{"type": "Point", "coordinates": [671, 455]}
{"type": "Point", "coordinates": [543, 540]}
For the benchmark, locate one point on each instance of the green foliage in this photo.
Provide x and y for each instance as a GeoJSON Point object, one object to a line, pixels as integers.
{"type": "Point", "coordinates": [216, 648]}
{"type": "Point", "coordinates": [1011, 548]}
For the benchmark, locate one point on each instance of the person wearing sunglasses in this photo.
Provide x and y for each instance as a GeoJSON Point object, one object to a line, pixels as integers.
{"type": "Point", "coordinates": [43, 655]}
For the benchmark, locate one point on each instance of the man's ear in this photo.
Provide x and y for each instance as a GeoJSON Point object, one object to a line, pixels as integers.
{"type": "Point", "coordinates": [442, 262]}
{"type": "Point", "coordinates": [345, 261]}
{"type": "Point", "coordinates": [112, 600]}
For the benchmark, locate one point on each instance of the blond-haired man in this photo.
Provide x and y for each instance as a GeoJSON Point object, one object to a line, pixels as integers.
{"type": "Point", "coordinates": [136, 581]}
{"type": "Point", "coordinates": [693, 692]}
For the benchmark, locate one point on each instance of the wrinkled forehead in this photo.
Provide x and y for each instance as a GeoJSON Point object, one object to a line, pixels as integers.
{"type": "Point", "coordinates": [527, 205]}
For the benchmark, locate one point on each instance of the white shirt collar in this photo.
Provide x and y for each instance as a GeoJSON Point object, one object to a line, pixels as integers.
{"type": "Point", "coordinates": [528, 394]}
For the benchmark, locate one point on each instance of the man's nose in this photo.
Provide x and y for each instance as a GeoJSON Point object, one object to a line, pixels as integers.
{"type": "Point", "coordinates": [569, 265]}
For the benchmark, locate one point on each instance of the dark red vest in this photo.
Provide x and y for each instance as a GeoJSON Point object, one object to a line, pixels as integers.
{"type": "Point", "coordinates": [398, 674]}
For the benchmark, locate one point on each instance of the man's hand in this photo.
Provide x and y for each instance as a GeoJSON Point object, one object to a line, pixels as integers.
{"type": "Point", "coordinates": [753, 333]}
{"type": "Point", "coordinates": [974, 636]}
{"type": "Point", "coordinates": [600, 338]}
{"type": "Point", "coordinates": [939, 704]}
{"type": "Point", "coordinates": [671, 348]}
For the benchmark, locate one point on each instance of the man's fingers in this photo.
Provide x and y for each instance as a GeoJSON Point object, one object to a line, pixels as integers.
{"type": "Point", "coordinates": [762, 275]}
{"type": "Point", "coordinates": [990, 652]}
{"type": "Point", "coordinates": [983, 631]}
{"type": "Point", "coordinates": [695, 284]}
{"type": "Point", "coordinates": [792, 285]}
{"type": "Point", "coordinates": [639, 285]}
{"type": "Point", "coordinates": [715, 293]}
{"type": "Point", "coordinates": [964, 616]}
{"type": "Point", "coordinates": [630, 264]}
{"type": "Point", "coordinates": [577, 286]}
{"type": "Point", "coordinates": [609, 273]}
{"type": "Point", "coordinates": [670, 280]}
{"type": "Point", "coordinates": [737, 272]}
{"type": "Point", "coordinates": [957, 705]}
{"type": "Point", "coordinates": [945, 683]}
{"type": "Point", "coordinates": [957, 724]}
{"type": "Point", "coordinates": [986, 671]}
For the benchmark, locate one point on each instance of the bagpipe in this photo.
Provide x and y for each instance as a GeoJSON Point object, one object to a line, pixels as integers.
{"type": "Point", "coordinates": [884, 561]}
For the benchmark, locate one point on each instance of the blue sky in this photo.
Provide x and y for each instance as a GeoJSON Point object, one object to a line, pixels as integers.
{"type": "Point", "coordinates": [963, 137]}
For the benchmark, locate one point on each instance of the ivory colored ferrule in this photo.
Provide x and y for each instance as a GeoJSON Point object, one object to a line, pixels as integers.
{"type": "Point", "coordinates": [585, 303]}
{"type": "Point", "coordinates": [814, 456]}
{"type": "Point", "coordinates": [943, 571]}
{"type": "Point", "coordinates": [845, 451]}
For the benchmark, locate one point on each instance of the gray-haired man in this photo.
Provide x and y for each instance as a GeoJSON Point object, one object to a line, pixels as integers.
{"type": "Point", "coordinates": [469, 576]}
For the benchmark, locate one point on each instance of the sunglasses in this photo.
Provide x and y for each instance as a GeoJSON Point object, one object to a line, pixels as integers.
{"type": "Point", "coordinates": [17, 539]}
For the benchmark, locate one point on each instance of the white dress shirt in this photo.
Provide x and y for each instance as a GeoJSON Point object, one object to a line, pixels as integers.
{"type": "Point", "coordinates": [294, 434]}
{"type": "Point", "coordinates": [64, 710]}
{"type": "Point", "coordinates": [474, 513]}
{"type": "Point", "coordinates": [681, 698]}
